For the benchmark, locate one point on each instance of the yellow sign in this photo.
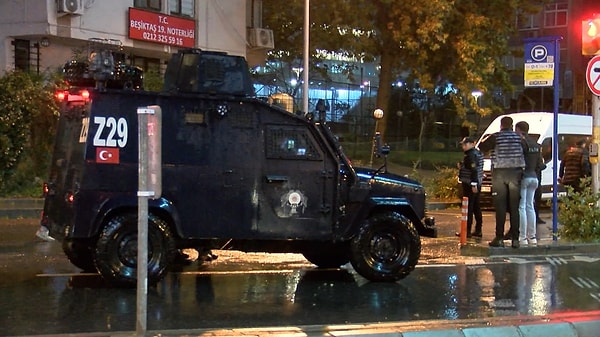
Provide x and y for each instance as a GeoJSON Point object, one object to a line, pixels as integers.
{"type": "Point", "coordinates": [539, 74]}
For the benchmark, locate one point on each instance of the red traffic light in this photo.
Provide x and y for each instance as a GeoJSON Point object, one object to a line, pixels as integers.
{"type": "Point", "coordinates": [590, 36]}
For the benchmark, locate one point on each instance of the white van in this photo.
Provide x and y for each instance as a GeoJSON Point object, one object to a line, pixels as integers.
{"type": "Point", "coordinates": [571, 128]}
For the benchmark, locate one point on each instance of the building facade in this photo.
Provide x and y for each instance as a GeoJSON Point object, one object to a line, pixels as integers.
{"type": "Point", "coordinates": [42, 35]}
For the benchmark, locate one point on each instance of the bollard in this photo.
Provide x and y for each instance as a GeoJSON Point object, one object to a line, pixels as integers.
{"type": "Point", "coordinates": [463, 221]}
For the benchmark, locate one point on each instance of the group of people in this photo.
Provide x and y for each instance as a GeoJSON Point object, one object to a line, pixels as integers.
{"type": "Point", "coordinates": [517, 164]}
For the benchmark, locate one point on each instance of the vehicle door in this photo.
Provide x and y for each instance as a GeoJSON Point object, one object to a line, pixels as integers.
{"type": "Point", "coordinates": [299, 185]}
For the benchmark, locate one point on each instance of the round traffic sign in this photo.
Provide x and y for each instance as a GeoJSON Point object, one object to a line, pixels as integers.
{"type": "Point", "coordinates": [592, 75]}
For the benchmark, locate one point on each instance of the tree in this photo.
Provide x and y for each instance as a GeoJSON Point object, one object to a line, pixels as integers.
{"type": "Point", "coordinates": [431, 43]}
{"type": "Point", "coordinates": [28, 114]}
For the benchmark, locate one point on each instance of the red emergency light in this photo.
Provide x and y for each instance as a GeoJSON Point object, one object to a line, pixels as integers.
{"type": "Point", "coordinates": [65, 95]}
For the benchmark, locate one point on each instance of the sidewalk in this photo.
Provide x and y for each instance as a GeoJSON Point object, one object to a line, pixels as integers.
{"type": "Point", "coordinates": [546, 244]}
{"type": "Point", "coordinates": [15, 208]}
{"type": "Point", "coordinates": [580, 324]}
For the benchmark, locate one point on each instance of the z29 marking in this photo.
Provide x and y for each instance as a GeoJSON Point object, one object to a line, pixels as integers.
{"type": "Point", "coordinates": [117, 132]}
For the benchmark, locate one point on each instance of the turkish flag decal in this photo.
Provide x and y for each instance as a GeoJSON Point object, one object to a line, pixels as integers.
{"type": "Point", "coordinates": [107, 155]}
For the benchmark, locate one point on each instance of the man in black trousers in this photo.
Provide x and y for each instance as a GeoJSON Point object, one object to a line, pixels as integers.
{"type": "Point", "coordinates": [470, 175]}
{"type": "Point", "coordinates": [508, 161]}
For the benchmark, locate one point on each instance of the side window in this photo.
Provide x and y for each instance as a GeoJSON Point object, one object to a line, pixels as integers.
{"type": "Point", "coordinates": [547, 149]}
{"type": "Point", "coordinates": [565, 141]}
{"type": "Point", "coordinates": [290, 143]}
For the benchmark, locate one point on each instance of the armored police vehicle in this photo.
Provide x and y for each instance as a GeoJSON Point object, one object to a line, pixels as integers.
{"type": "Point", "coordinates": [237, 173]}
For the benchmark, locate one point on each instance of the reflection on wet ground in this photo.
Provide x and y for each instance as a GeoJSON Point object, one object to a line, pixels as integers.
{"type": "Point", "coordinates": [42, 293]}
{"type": "Point", "coordinates": [202, 299]}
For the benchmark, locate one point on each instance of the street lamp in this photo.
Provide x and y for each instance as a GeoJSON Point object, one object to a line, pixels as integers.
{"type": "Point", "coordinates": [476, 94]}
{"type": "Point", "coordinates": [377, 114]}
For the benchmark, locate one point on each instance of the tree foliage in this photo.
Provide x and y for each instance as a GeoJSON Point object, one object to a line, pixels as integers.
{"type": "Point", "coordinates": [28, 115]}
{"type": "Point", "coordinates": [431, 43]}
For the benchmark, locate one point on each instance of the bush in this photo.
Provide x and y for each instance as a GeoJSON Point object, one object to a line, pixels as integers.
{"type": "Point", "coordinates": [28, 114]}
{"type": "Point", "coordinates": [444, 185]}
{"type": "Point", "coordinates": [579, 215]}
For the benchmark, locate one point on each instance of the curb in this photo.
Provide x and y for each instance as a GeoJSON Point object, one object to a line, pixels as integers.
{"type": "Point", "coordinates": [544, 247]}
{"type": "Point", "coordinates": [16, 208]}
{"type": "Point", "coordinates": [576, 324]}
{"type": "Point", "coordinates": [436, 206]}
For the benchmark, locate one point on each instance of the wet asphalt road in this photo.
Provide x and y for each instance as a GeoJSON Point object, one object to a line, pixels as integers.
{"type": "Point", "coordinates": [42, 293]}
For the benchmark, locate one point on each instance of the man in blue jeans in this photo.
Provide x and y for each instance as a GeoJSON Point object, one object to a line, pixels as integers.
{"type": "Point", "coordinates": [534, 164]}
{"type": "Point", "coordinates": [508, 161]}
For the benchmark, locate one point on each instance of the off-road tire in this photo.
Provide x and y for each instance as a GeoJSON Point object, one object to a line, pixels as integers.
{"type": "Point", "coordinates": [327, 255]}
{"type": "Point", "coordinates": [116, 250]}
{"type": "Point", "coordinates": [81, 254]}
{"type": "Point", "coordinates": [386, 249]}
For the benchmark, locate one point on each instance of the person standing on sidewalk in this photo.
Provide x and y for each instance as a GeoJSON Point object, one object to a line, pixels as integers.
{"type": "Point", "coordinates": [508, 161]}
{"type": "Point", "coordinates": [571, 168]}
{"type": "Point", "coordinates": [534, 164]}
{"type": "Point", "coordinates": [470, 175]}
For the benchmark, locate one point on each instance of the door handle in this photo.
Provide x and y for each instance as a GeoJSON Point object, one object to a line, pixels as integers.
{"type": "Point", "coordinates": [276, 178]}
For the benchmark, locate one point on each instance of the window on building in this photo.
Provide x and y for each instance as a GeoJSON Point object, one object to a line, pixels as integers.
{"type": "Point", "coordinates": [555, 15]}
{"type": "Point", "coordinates": [148, 4]}
{"type": "Point", "coordinates": [181, 7]}
{"type": "Point", "coordinates": [531, 21]}
{"type": "Point", "coordinates": [22, 55]}
{"type": "Point", "coordinates": [147, 64]}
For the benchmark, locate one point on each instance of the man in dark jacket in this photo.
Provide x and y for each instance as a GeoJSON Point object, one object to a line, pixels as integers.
{"type": "Point", "coordinates": [470, 175]}
{"type": "Point", "coordinates": [572, 167]}
{"type": "Point", "coordinates": [508, 162]}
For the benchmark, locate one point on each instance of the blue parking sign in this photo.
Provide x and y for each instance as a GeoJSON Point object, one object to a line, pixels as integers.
{"type": "Point", "coordinates": [539, 63]}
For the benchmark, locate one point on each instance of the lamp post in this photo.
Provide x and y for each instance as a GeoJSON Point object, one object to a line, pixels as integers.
{"type": "Point", "coordinates": [476, 94]}
{"type": "Point", "coordinates": [377, 114]}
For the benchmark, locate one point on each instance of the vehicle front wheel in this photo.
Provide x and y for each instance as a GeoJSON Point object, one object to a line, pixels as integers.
{"type": "Point", "coordinates": [387, 248]}
{"type": "Point", "coordinates": [116, 249]}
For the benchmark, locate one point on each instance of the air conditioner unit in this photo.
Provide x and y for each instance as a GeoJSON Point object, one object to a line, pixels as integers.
{"type": "Point", "coordinates": [72, 7]}
{"type": "Point", "coordinates": [261, 38]}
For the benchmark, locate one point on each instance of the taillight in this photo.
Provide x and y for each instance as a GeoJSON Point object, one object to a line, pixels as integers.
{"type": "Point", "coordinates": [73, 96]}
{"type": "Point", "coordinates": [45, 189]}
{"type": "Point", "coordinates": [69, 197]}
{"type": "Point", "coordinates": [61, 95]}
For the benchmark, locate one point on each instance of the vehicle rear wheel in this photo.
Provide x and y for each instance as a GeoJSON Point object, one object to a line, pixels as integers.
{"type": "Point", "coordinates": [387, 248]}
{"type": "Point", "coordinates": [80, 253]}
{"type": "Point", "coordinates": [116, 249]}
{"type": "Point", "coordinates": [327, 255]}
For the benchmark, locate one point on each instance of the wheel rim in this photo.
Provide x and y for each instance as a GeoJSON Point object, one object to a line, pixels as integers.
{"type": "Point", "coordinates": [127, 250]}
{"type": "Point", "coordinates": [387, 251]}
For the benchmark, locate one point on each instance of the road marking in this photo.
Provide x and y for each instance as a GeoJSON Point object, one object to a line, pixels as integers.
{"type": "Point", "coordinates": [584, 258]}
{"type": "Point", "coordinates": [67, 274]}
{"type": "Point", "coordinates": [582, 282]}
{"type": "Point", "coordinates": [555, 261]}
{"type": "Point", "coordinates": [517, 260]}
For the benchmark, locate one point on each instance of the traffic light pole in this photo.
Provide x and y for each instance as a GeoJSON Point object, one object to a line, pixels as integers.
{"type": "Point", "coordinates": [595, 141]}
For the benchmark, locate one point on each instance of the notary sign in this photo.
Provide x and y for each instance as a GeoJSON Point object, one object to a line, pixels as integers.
{"type": "Point", "coordinates": [539, 64]}
{"type": "Point", "coordinates": [161, 28]}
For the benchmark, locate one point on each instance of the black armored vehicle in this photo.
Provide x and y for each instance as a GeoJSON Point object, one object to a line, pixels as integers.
{"type": "Point", "coordinates": [237, 173]}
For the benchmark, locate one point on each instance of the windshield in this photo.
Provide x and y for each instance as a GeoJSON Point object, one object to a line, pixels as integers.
{"type": "Point", "coordinates": [334, 143]}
